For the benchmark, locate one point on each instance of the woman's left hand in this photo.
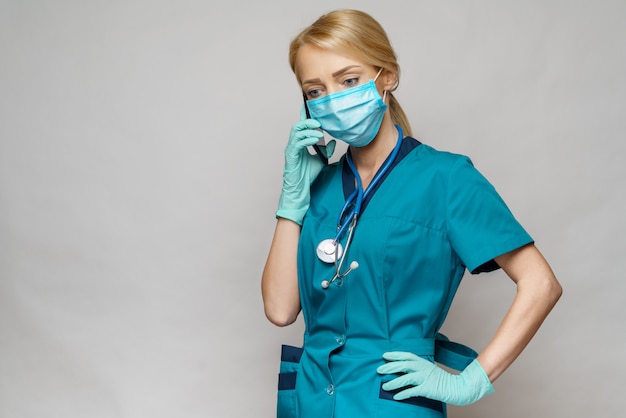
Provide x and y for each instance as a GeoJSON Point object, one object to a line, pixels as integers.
{"type": "Point", "coordinates": [423, 378]}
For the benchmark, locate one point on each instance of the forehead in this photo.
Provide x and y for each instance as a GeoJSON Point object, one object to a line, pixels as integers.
{"type": "Point", "coordinates": [315, 62]}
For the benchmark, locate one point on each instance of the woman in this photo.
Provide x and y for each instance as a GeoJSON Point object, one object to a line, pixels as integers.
{"type": "Point", "coordinates": [375, 290]}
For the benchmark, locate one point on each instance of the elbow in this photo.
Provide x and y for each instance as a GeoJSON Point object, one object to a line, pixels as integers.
{"type": "Point", "coordinates": [280, 318]}
{"type": "Point", "coordinates": [556, 290]}
{"type": "Point", "coordinates": [551, 291]}
{"type": "Point", "coordinates": [544, 290]}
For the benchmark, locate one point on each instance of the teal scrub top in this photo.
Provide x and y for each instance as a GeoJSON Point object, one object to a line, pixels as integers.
{"type": "Point", "coordinates": [432, 217]}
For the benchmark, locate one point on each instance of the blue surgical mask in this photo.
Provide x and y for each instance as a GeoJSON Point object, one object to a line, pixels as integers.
{"type": "Point", "coordinates": [353, 115]}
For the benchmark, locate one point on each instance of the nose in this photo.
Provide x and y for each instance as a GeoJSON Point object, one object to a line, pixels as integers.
{"type": "Point", "coordinates": [330, 89]}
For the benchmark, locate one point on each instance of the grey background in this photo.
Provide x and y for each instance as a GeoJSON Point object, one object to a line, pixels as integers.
{"type": "Point", "coordinates": [140, 165]}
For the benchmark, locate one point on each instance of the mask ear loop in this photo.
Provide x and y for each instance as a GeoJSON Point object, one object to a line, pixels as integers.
{"type": "Point", "coordinates": [378, 74]}
{"type": "Point", "coordinates": [376, 78]}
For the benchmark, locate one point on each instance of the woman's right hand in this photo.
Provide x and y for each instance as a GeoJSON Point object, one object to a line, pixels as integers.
{"type": "Point", "coordinates": [301, 168]}
{"type": "Point", "coordinates": [281, 298]}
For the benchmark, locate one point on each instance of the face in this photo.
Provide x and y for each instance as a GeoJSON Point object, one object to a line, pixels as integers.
{"type": "Point", "coordinates": [323, 72]}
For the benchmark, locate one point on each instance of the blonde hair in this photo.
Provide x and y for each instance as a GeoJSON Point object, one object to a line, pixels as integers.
{"type": "Point", "coordinates": [354, 33]}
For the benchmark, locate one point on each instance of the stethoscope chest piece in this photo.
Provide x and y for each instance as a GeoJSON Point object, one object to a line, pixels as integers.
{"type": "Point", "coordinates": [329, 250]}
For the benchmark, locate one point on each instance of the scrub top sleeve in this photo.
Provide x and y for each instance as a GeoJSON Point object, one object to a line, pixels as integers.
{"type": "Point", "coordinates": [480, 225]}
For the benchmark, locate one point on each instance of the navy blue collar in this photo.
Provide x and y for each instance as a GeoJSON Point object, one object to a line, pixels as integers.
{"type": "Point", "coordinates": [408, 145]}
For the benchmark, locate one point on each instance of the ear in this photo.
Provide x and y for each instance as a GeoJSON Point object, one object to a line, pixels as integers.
{"type": "Point", "coordinates": [390, 80]}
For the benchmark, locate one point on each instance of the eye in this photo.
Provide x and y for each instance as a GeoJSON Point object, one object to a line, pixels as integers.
{"type": "Point", "coordinates": [314, 93]}
{"type": "Point", "coordinates": [351, 82]}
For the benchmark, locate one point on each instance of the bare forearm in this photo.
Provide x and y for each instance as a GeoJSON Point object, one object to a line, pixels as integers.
{"type": "Point", "coordinates": [537, 292]}
{"type": "Point", "coordinates": [279, 284]}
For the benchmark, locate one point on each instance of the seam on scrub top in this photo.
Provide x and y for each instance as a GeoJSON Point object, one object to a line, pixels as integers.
{"type": "Point", "coordinates": [430, 228]}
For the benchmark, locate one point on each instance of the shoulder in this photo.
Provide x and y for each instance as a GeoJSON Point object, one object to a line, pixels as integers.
{"type": "Point", "coordinates": [426, 156]}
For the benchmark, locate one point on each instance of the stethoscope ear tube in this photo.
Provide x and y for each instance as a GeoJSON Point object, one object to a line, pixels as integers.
{"type": "Point", "coordinates": [338, 277]}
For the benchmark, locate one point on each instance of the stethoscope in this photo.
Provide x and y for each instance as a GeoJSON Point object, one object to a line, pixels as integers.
{"type": "Point", "coordinates": [330, 250]}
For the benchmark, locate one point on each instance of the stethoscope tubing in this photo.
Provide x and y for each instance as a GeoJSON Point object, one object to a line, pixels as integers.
{"type": "Point", "coordinates": [357, 197]}
{"type": "Point", "coordinates": [358, 194]}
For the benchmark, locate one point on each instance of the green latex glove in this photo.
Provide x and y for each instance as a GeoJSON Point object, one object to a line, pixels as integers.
{"type": "Point", "coordinates": [423, 378]}
{"type": "Point", "coordinates": [301, 168]}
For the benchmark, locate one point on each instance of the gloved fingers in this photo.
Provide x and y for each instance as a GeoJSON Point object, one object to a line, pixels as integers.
{"type": "Point", "coordinates": [307, 128]}
{"type": "Point", "coordinates": [307, 140]}
{"type": "Point", "coordinates": [402, 355]}
{"type": "Point", "coordinates": [329, 148]}
{"type": "Point", "coordinates": [303, 134]}
{"type": "Point", "coordinates": [408, 393]}
{"type": "Point", "coordinates": [398, 367]}
{"type": "Point", "coordinates": [302, 139]}
{"type": "Point", "coordinates": [409, 379]}
{"type": "Point", "coordinates": [308, 134]}
{"type": "Point", "coordinates": [305, 124]}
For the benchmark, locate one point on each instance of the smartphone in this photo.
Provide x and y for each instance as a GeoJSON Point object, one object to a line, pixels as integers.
{"type": "Point", "coordinates": [316, 147]}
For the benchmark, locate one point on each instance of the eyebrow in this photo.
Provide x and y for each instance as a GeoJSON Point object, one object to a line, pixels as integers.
{"type": "Point", "coordinates": [335, 74]}
{"type": "Point", "coordinates": [343, 70]}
